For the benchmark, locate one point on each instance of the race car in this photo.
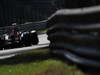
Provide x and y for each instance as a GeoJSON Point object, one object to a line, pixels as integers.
{"type": "Point", "coordinates": [18, 39]}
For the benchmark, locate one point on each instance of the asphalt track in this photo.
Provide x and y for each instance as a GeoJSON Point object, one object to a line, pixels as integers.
{"type": "Point", "coordinates": [43, 43]}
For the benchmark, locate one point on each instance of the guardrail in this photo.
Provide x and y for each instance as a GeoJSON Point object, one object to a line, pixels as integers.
{"type": "Point", "coordinates": [75, 34]}
{"type": "Point", "coordinates": [12, 52]}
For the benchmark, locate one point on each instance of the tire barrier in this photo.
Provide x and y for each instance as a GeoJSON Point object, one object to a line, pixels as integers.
{"type": "Point", "coordinates": [75, 34]}
{"type": "Point", "coordinates": [82, 15]}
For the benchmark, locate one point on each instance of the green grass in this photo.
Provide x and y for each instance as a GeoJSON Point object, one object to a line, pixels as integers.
{"type": "Point", "coordinates": [36, 63]}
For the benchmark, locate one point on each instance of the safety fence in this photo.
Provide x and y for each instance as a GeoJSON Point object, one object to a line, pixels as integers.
{"type": "Point", "coordinates": [39, 25]}
{"type": "Point", "coordinates": [22, 11]}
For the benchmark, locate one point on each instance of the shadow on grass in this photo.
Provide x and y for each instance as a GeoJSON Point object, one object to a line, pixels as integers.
{"type": "Point", "coordinates": [32, 57]}
{"type": "Point", "coordinates": [38, 57]}
{"type": "Point", "coordinates": [25, 58]}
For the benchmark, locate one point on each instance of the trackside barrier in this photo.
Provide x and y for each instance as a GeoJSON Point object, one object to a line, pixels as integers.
{"type": "Point", "coordinates": [75, 34]}
{"type": "Point", "coordinates": [8, 53]}
{"type": "Point", "coordinates": [39, 25]}
{"type": "Point", "coordinates": [11, 52]}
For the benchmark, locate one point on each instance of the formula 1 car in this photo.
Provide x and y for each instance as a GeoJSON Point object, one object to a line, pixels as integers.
{"type": "Point", "coordinates": [18, 39]}
{"type": "Point", "coordinates": [22, 38]}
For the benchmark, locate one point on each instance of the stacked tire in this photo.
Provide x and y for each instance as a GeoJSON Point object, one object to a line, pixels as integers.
{"type": "Point", "coordinates": [75, 34]}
